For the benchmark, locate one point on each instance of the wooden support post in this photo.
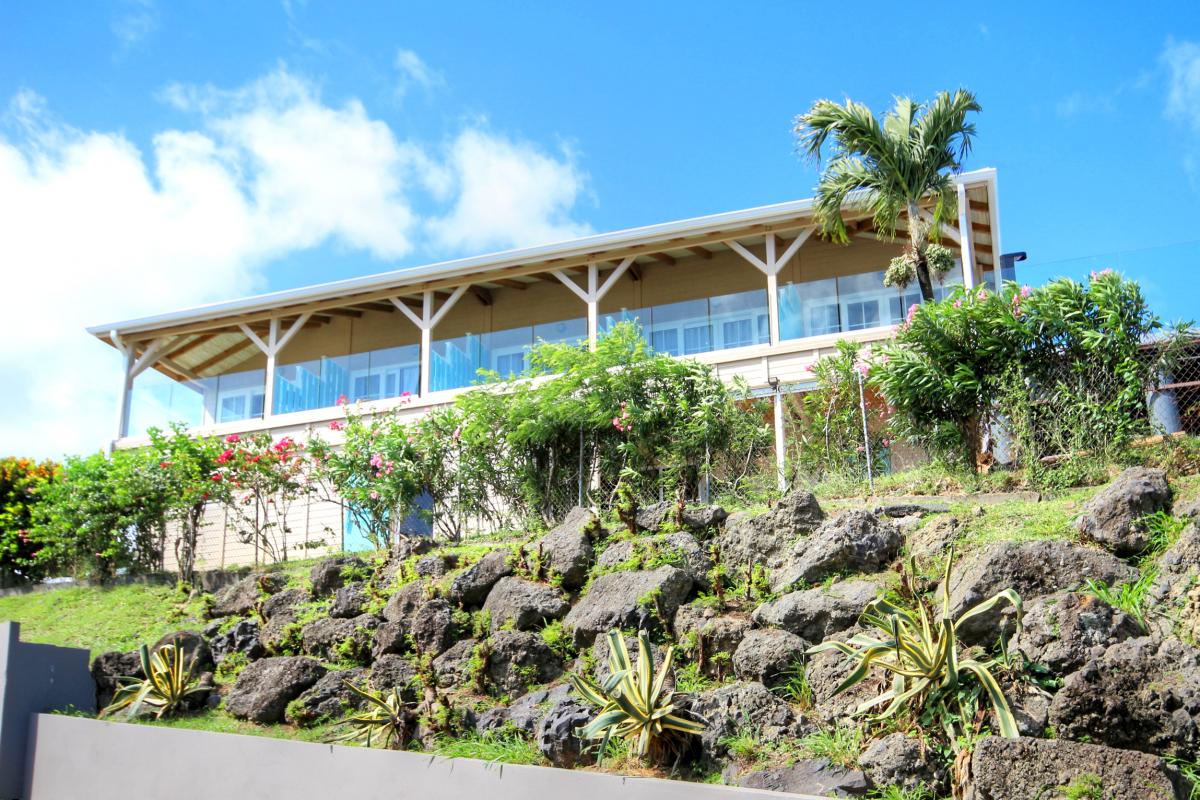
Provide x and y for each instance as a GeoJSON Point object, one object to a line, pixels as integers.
{"type": "Point", "coordinates": [594, 293]}
{"type": "Point", "coordinates": [126, 387]}
{"type": "Point", "coordinates": [966, 250]}
{"type": "Point", "coordinates": [771, 268]}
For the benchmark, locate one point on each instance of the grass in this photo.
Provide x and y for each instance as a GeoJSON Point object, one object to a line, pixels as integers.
{"type": "Point", "coordinates": [217, 721]}
{"type": "Point", "coordinates": [100, 620]}
{"type": "Point", "coordinates": [505, 748]}
{"type": "Point", "coordinates": [896, 793]}
{"type": "Point", "coordinates": [1022, 520]}
{"type": "Point", "coordinates": [841, 745]}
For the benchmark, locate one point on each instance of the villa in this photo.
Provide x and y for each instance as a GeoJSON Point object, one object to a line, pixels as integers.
{"type": "Point", "coordinates": [756, 293]}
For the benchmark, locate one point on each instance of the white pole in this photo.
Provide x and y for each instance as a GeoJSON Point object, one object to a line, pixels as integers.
{"type": "Point", "coordinates": [426, 341]}
{"type": "Point", "coordinates": [593, 306]}
{"type": "Point", "coordinates": [126, 388]}
{"type": "Point", "coordinates": [997, 248]}
{"type": "Point", "coordinates": [269, 389]}
{"type": "Point", "coordinates": [862, 407]}
{"type": "Point", "coordinates": [964, 231]}
{"type": "Point", "coordinates": [780, 444]}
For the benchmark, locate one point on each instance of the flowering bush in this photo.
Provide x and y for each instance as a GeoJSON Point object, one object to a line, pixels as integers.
{"type": "Point", "coordinates": [192, 471]}
{"type": "Point", "coordinates": [22, 482]}
{"type": "Point", "coordinates": [261, 479]}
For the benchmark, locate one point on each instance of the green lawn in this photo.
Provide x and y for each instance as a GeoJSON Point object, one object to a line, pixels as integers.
{"type": "Point", "coordinates": [120, 618]}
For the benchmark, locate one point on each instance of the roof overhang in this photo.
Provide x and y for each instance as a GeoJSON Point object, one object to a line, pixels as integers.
{"type": "Point", "coordinates": [650, 240]}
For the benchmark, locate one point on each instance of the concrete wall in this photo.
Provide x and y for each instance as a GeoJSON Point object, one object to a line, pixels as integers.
{"type": "Point", "coordinates": [35, 678]}
{"type": "Point", "coordinates": [75, 757]}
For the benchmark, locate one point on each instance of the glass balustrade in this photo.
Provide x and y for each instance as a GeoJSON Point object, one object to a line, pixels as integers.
{"type": "Point", "coordinates": [457, 362]}
{"type": "Point", "coordinates": [323, 382]}
{"type": "Point", "coordinates": [849, 303]}
{"type": "Point", "coordinates": [700, 326]}
{"type": "Point", "coordinates": [157, 401]}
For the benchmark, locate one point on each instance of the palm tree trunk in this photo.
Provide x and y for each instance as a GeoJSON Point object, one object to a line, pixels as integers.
{"type": "Point", "coordinates": [918, 236]}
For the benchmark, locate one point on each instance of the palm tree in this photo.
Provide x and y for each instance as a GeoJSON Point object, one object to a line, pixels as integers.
{"type": "Point", "coordinates": [890, 169]}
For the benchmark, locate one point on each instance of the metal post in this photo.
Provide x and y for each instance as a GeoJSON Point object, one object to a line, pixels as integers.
{"type": "Point", "coordinates": [780, 444]}
{"type": "Point", "coordinates": [579, 491]}
{"type": "Point", "coordinates": [862, 407]}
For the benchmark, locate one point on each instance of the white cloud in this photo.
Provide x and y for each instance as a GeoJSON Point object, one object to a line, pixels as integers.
{"type": "Point", "coordinates": [1182, 60]}
{"type": "Point", "coordinates": [414, 72]}
{"type": "Point", "coordinates": [136, 20]}
{"type": "Point", "coordinates": [509, 194]}
{"type": "Point", "coordinates": [97, 229]}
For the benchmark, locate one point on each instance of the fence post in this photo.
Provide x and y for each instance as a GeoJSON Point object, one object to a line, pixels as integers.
{"type": "Point", "coordinates": [780, 444]}
{"type": "Point", "coordinates": [862, 407]}
{"type": "Point", "coordinates": [579, 482]}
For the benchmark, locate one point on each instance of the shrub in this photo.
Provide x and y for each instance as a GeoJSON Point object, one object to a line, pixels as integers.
{"type": "Point", "coordinates": [263, 478]}
{"type": "Point", "coordinates": [22, 484]}
{"type": "Point", "coordinates": [919, 648]}
{"type": "Point", "coordinates": [387, 720]}
{"type": "Point", "coordinates": [168, 684]}
{"type": "Point", "coordinates": [634, 705]}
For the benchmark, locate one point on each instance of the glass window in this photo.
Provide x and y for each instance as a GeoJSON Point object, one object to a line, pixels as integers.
{"type": "Point", "coordinates": [665, 341]}
{"type": "Point", "coordinates": [568, 331]}
{"type": "Point", "coordinates": [809, 309]}
{"type": "Point", "coordinates": [235, 396]}
{"type": "Point", "coordinates": [737, 333]}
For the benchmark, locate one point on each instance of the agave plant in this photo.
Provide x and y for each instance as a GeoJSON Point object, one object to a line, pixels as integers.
{"type": "Point", "coordinates": [921, 651]}
{"type": "Point", "coordinates": [168, 683]}
{"type": "Point", "coordinates": [386, 721]}
{"type": "Point", "coordinates": [635, 703]}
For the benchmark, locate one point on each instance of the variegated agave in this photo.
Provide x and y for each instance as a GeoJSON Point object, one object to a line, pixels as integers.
{"type": "Point", "coordinates": [167, 684]}
{"type": "Point", "coordinates": [921, 651]}
{"type": "Point", "coordinates": [635, 703]}
{"type": "Point", "coordinates": [385, 721]}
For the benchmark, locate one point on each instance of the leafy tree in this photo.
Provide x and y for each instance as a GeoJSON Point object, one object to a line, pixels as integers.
{"type": "Point", "coordinates": [889, 169]}
{"type": "Point", "coordinates": [192, 471]}
{"type": "Point", "coordinates": [22, 483]}
{"type": "Point", "coordinates": [262, 479]}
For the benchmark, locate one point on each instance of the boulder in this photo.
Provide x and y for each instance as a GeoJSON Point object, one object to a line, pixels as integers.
{"type": "Point", "coordinates": [406, 546]}
{"type": "Point", "coordinates": [527, 711]}
{"type": "Point", "coordinates": [1033, 569]}
{"type": "Point", "coordinates": [729, 709]}
{"type": "Point", "coordinates": [239, 599]}
{"type": "Point", "coordinates": [765, 539]}
{"type": "Point", "coordinates": [432, 566]}
{"type": "Point", "coordinates": [826, 670]}
{"type": "Point", "coordinates": [328, 698]}
{"type": "Point", "coordinates": [853, 541]}
{"type": "Point", "coordinates": [904, 762]}
{"type": "Point", "coordinates": [395, 672]}
{"type": "Point", "coordinates": [454, 667]}
{"type": "Point", "coordinates": [403, 604]}
{"type": "Point", "coordinates": [265, 687]}
{"type": "Point", "coordinates": [1065, 629]}
{"type": "Point", "coordinates": [349, 601]}
{"type": "Point", "coordinates": [517, 660]}
{"type": "Point", "coordinates": [1142, 694]}
{"type": "Point", "coordinates": [243, 638]}
{"type": "Point", "coordinates": [567, 551]}
{"type": "Point", "coordinates": [521, 604]}
{"type": "Point", "coordinates": [710, 638]}
{"type": "Point", "coordinates": [695, 518]}
{"type": "Point", "coordinates": [433, 627]}
{"type": "Point", "coordinates": [107, 671]}
{"type": "Point", "coordinates": [815, 614]}
{"type": "Point", "coordinates": [933, 538]}
{"type": "Point", "coordinates": [322, 637]}
{"type": "Point", "coordinates": [196, 653]}
{"type": "Point", "coordinates": [639, 600]}
{"type": "Point", "coordinates": [808, 776]}
{"type": "Point", "coordinates": [327, 575]}
{"type": "Point", "coordinates": [390, 638]}
{"type": "Point", "coordinates": [1113, 517]}
{"type": "Point", "coordinates": [472, 586]}
{"type": "Point", "coordinates": [1039, 769]}
{"type": "Point", "coordinates": [677, 549]}
{"type": "Point", "coordinates": [768, 655]}
{"type": "Point", "coordinates": [902, 510]}
{"type": "Point", "coordinates": [556, 737]}
{"type": "Point", "coordinates": [282, 603]}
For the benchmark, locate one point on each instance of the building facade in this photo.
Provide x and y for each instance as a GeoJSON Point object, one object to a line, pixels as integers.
{"type": "Point", "coordinates": [755, 293]}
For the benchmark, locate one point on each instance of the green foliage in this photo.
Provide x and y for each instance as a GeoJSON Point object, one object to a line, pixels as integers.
{"type": "Point", "coordinates": [22, 483]}
{"type": "Point", "coordinates": [841, 745]}
{"type": "Point", "coordinates": [230, 667]}
{"type": "Point", "coordinates": [795, 687]}
{"type": "Point", "coordinates": [102, 515]}
{"type": "Point", "coordinates": [890, 168]}
{"type": "Point", "coordinates": [634, 706]}
{"type": "Point", "coordinates": [386, 721]}
{"type": "Point", "coordinates": [1164, 530]}
{"type": "Point", "coordinates": [898, 793]}
{"type": "Point", "coordinates": [1086, 786]}
{"type": "Point", "coordinates": [826, 431]}
{"type": "Point", "coordinates": [1133, 597]}
{"type": "Point", "coordinates": [168, 683]}
{"type": "Point", "coordinates": [558, 639]}
{"type": "Point", "coordinates": [506, 747]}
{"type": "Point", "coordinates": [919, 648]}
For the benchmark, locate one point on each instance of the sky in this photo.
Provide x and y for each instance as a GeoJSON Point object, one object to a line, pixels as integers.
{"type": "Point", "coordinates": [156, 156]}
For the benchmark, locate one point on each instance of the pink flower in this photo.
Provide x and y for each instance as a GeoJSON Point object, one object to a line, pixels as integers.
{"type": "Point", "coordinates": [912, 313]}
{"type": "Point", "coordinates": [216, 477]}
{"type": "Point", "coordinates": [377, 461]}
{"type": "Point", "coordinates": [457, 433]}
{"type": "Point", "coordinates": [810, 367]}
{"type": "Point", "coordinates": [406, 393]}
{"type": "Point", "coordinates": [224, 457]}
{"type": "Point", "coordinates": [337, 426]}
{"type": "Point", "coordinates": [233, 438]}
{"type": "Point", "coordinates": [164, 464]}
{"type": "Point", "coordinates": [886, 442]}
{"type": "Point", "coordinates": [1026, 291]}
{"type": "Point", "coordinates": [863, 368]}
{"type": "Point", "coordinates": [981, 295]}
{"type": "Point", "coordinates": [958, 303]}
{"type": "Point", "coordinates": [341, 401]}
{"type": "Point", "coordinates": [374, 495]}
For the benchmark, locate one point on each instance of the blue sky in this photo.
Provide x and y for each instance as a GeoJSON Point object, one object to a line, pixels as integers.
{"type": "Point", "coordinates": [169, 154]}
